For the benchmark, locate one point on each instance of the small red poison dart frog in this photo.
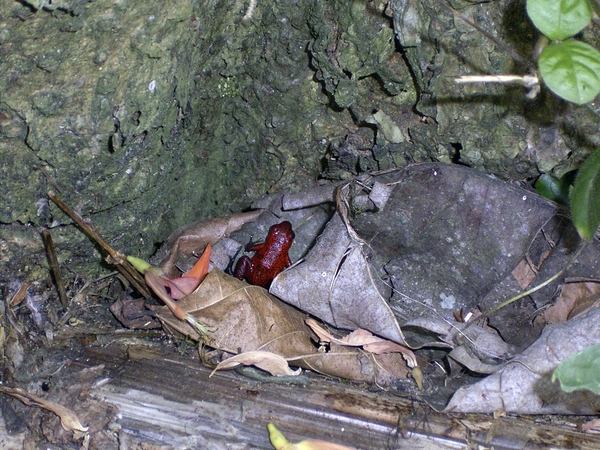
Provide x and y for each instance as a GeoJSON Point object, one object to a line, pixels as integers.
{"type": "Point", "coordinates": [270, 259]}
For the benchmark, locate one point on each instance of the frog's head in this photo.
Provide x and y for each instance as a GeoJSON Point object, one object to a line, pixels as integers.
{"type": "Point", "coordinates": [282, 232]}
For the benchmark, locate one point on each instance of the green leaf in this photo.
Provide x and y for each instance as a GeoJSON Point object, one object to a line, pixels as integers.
{"type": "Point", "coordinates": [585, 197]}
{"type": "Point", "coordinates": [571, 70]}
{"type": "Point", "coordinates": [580, 371]}
{"type": "Point", "coordinates": [559, 19]}
{"type": "Point", "coordinates": [555, 189]}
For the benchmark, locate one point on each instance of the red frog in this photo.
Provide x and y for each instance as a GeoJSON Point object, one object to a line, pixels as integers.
{"type": "Point", "coordinates": [270, 259]}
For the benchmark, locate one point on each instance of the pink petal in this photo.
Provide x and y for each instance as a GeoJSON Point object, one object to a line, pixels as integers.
{"type": "Point", "coordinates": [182, 286]}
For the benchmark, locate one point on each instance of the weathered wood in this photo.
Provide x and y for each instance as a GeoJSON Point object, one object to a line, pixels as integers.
{"type": "Point", "coordinates": [167, 399]}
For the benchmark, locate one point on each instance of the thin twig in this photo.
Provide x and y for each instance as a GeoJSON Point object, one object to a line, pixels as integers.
{"type": "Point", "coordinates": [55, 268]}
{"type": "Point", "coordinates": [116, 258]}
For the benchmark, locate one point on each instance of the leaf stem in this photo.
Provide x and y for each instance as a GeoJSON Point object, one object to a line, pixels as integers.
{"type": "Point", "coordinates": [532, 290]}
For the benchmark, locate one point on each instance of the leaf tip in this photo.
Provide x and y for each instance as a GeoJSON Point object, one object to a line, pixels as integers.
{"type": "Point", "coordinates": [276, 437]}
{"type": "Point", "coordinates": [139, 264]}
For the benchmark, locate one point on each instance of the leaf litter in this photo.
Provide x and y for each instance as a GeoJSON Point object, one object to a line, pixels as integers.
{"type": "Point", "coordinates": [407, 262]}
{"type": "Point", "coordinates": [400, 254]}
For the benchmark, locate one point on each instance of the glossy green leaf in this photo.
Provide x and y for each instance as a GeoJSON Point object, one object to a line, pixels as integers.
{"type": "Point", "coordinates": [571, 70]}
{"type": "Point", "coordinates": [580, 371]}
{"type": "Point", "coordinates": [555, 189]}
{"type": "Point", "coordinates": [559, 19]}
{"type": "Point", "coordinates": [585, 197]}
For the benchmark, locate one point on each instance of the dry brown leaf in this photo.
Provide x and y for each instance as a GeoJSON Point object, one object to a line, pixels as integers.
{"type": "Point", "coordinates": [68, 419]}
{"type": "Point", "coordinates": [584, 304]}
{"type": "Point", "coordinates": [241, 318]}
{"type": "Point", "coordinates": [245, 318]}
{"type": "Point", "coordinates": [524, 274]}
{"type": "Point", "coordinates": [193, 237]}
{"type": "Point", "coordinates": [573, 299]}
{"type": "Point", "coordinates": [19, 295]}
{"type": "Point", "coordinates": [357, 338]}
{"type": "Point", "coordinates": [269, 362]}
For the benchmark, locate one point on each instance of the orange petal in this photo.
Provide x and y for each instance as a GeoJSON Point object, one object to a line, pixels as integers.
{"type": "Point", "coordinates": [200, 269]}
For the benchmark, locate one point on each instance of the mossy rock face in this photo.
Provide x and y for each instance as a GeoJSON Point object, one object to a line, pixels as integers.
{"type": "Point", "coordinates": [145, 116]}
{"type": "Point", "coordinates": [492, 127]}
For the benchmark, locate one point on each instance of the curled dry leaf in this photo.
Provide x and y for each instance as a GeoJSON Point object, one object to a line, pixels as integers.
{"type": "Point", "coordinates": [155, 283]}
{"type": "Point", "coordinates": [189, 239]}
{"type": "Point", "coordinates": [311, 197]}
{"type": "Point", "coordinates": [269, 362]}
{"type": "Point", "coordinates": [574, 298]}
{"type": "Point", "coordinates": [365, 339]}
{"type": "Point", "coordinates": [524, 386]}
{"type": "Point", "coordinates": [178, 287]}
{"type": "Point", "coordinates": [591, 425]}
{"type": "Point", "coordinates": [186, 284]}
{"type": "Point", "coordinates": [68, 419]}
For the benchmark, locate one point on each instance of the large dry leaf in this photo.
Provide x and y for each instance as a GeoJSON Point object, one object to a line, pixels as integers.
{"type": "Point", "coordinates": [448, 235]}
{"type": "Point", "coordinates": [241, 318]}
{"type": "Point", "coordinates": [244, 318]}
{"type": "Point", "coordinates": [334, 283]}
{"type": "Point", "coordinates": [524, 384]}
